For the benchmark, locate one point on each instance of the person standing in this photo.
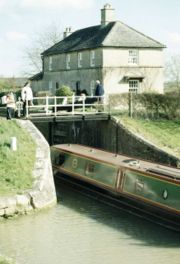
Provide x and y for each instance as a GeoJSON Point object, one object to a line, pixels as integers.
{"type": "Point", "coordinates": [27, 97]}
{"type": "Point", "coordinates": [99, 91]}
{"type": "Point", "coordinates": [10, 105]}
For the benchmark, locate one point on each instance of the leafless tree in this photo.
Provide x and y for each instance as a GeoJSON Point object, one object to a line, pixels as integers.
{"type": "Point", "coordinates": [172, 71]}
{"type": "Point", "coordinates": [40, 41]}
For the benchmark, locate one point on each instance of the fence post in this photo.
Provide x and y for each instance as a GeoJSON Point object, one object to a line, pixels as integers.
{"type": "Point", "coordinates": [19, 107]}
{"type": "Point", "coordinates": [83, 102]}
{"type": "Point", "coordinates": [47, 107]}
{"type": "Point", "coordinates": [27, 109]}
{"type": "Point", "coordinates": [55, 105]}
{"type": "Point", "coordinates": [130, 104]}
{"type": "Point", "coordinates": [73, 99]}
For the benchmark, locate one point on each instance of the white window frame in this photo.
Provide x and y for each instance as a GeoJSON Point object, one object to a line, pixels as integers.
{"type": "Point", "coordinates": [50, 85]}
{"type": "Point", "coordinates": [50, 63]}
{"type": "Point", "coordinates": [134, 86]}
{"type": "Point", "coordinates": [133, 58]}
{"type": "Point", "coordinates": [92, 87]}
{"type": "Point", "coordinates": [92, 58]}
{"type": "Point", "coordinates": [79, 59]}
{"type": "Point", "coordinates": [68, 60]}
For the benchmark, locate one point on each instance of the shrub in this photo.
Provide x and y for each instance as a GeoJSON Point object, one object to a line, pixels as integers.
{"type": "Point", "coordinates": [64, 91]}
{"type": "Point", "coordinates": [148, 105]}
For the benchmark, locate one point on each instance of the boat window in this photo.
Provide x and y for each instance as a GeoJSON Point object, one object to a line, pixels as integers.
{"type": "Point", "coordinates": [139, 185]}
{"type": "Point", "coordinates": [59, 160]}
{"type": "Point", "coordinates": [90, 168]}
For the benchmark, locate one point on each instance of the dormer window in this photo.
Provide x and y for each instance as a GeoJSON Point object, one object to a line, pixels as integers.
{"type": "Point", "coordinates": [133, 57]}
{"type": "Point", "coordinates": [68, 60]}
{"type": "Point", "coordinates": [50, 63]}
{"type": "Point", "coordinates": [92, 58]}
{"type": "Point", "coordinates": [79, 59]}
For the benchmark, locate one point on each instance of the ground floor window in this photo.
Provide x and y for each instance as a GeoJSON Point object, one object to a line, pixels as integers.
{"type": "Point", "coordinates": [133, 86]}
{"type": "Point", "coordinates": [50, 85]}
{"type": "Point", "coordinates": [57, 85]}
{"type": "Point", "coordinates": [92, 87]}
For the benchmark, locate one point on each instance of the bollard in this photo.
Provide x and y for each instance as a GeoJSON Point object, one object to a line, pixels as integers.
{"type": "Point", "coordinates": [13, 143]}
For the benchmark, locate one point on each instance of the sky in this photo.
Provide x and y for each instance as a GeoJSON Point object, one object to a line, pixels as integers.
{"type": "Point", "coordinates": [21, 20]}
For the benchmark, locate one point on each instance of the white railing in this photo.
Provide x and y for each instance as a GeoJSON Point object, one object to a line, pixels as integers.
{"type": "Point", "coordinates": [69, 105]}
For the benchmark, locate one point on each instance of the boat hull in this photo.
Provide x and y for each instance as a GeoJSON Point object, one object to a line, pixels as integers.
{"type": "Point", "coordinates": [150, 195]}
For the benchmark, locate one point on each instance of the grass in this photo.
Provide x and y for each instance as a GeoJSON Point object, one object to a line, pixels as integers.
{"type": "Point", "coordinates": [6, 260]}
{"type": "Point", "coordinates": [15, 166]}
{"type": "Point", "coordinates": [163, 133]}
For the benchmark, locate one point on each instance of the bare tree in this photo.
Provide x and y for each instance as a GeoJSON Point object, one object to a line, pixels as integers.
{"type": "Point", "coordinates": [172, 71]}
{"type": "Point", "coordinates": [40, 42]}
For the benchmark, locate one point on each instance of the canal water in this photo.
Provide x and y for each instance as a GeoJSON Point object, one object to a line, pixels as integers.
{"type": "Point", "coordinates": [83, 230]}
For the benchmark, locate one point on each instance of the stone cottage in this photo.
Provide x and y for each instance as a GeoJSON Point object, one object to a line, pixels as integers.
{"type": "Point", "coordinates": [122, 58]}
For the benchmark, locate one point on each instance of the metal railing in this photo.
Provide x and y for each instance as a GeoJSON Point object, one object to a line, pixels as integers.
{"type": "Point", "coordinates": [61, 105]}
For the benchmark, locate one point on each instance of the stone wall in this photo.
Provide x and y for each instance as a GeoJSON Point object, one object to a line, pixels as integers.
{"type": "Point", "coordinates": [109, 135]}
{"type": "Point", "coordinates": [117, 138]}
{"type": "Point", "coordinates": [43, 193]}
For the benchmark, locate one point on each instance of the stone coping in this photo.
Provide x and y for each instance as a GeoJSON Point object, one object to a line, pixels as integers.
{"type": "Point", "coordinates": [43, 192]}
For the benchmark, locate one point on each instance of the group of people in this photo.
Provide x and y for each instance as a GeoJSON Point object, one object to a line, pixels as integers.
{"type": "Point", "coordinates": [26, 97]}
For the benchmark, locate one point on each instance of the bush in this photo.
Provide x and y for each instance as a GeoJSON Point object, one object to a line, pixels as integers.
{"type": "Point", "coordinates": [148, 105]}
{"type": "Point", "coordinates": [64, 91]}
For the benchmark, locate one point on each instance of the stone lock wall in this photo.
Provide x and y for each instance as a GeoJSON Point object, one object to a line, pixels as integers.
{"type": "Point", "coordinates": [43, 192]}
{"type": "Point", "coordinates": [109, 135]}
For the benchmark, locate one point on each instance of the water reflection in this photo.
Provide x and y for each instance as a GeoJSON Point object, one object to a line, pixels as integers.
{"type": "Point", "coordinates": [145, 233]}
{"type": "Point", "coordinates": [82, 230]}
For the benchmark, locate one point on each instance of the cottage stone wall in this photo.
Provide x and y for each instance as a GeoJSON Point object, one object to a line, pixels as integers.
{"type": "Point", "coordinates": [111, 66]}
{"type": "Point", "coordinates": [43, 193]}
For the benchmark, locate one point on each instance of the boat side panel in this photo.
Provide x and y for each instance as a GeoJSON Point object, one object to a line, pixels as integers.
{"type": "Point", "coordinates": [86, 168]}
{"type": "Point", "coordinates": [158, 191]}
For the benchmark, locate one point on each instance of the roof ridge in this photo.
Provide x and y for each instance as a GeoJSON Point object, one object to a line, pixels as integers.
{"type": "Point", "coordinates": [106, 37]}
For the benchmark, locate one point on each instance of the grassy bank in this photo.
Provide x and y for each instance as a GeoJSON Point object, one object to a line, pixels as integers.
{"type": "Point", "coordinates": [6, 260]}
{"type": "Point", "coordinates": [15, 166]}
{"type": "Point", "coordinates": [163, 133]}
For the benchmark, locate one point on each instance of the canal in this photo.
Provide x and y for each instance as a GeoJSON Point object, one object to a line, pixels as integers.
{"type": "Point", "coordinates": [83, 230]}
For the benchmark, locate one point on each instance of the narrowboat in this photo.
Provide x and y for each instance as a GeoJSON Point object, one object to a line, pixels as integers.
{"type": "Point", "coordinates": [152, 189]}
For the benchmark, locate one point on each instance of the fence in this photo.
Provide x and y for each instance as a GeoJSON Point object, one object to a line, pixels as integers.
{"type": "Point", "coordinates": [58, 105]}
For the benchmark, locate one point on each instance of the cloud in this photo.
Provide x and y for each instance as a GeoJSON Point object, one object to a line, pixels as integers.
{"type": "Point", "coordinates": [78, 4]}
{"type": "Point", "coordinates": [2, 3]}
{"type": "Point", "coordinates": [16, 36]}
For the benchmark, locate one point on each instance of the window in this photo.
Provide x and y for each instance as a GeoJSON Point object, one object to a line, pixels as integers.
{"type": "Point", "coordinates": [133, 57]}
{"type": "Point", "coordinates": [57, 85]}
{"type": "Point", "coordinates": [92, 87]}
{"type": "Point", "coordinates": [79, 60]}
{"type": "Point", "coordinates": [68, 60]}
{"type": "Point", "coordinates": [50, 63]}
{"type": "Point", "coordinates": [133, 86]}
{"type": "Point", "coordinates": [50, 85]}
{"type": "Point", "coordinates": [92, 58]}
{"type": "Point", "coordinates": [90, 168]}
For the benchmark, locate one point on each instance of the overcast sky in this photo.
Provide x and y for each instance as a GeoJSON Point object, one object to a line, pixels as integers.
{"type": "Point", "coordinates": [20, 20]}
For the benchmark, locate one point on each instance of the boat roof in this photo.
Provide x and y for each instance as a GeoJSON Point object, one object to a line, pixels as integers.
{"type": "Point", "coordinates": [121, 160]}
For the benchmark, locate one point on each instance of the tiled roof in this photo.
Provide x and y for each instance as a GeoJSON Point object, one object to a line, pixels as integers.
{"type": "Point", "coordinates": [114, 34]}
{"type": "Point", "coordinates": [36, 77]}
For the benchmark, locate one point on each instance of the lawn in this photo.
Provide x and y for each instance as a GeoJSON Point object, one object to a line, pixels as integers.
{"type": "Point", "coordinates": [15, 166]}
{"type": "Point", "coordinates": [6, 261]}
{"type": "Point", "coordinates": [163, 133]}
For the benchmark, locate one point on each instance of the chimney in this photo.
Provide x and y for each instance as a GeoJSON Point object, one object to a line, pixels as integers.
{"type": "Point", "coordinates": [107, 14]}
{"type": "Point", "coordinates": [67, 32]}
